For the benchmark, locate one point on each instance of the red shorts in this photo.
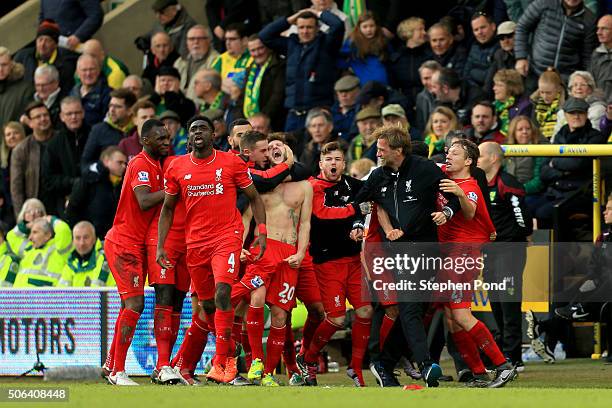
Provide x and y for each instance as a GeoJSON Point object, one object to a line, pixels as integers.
{"type": "Point", "coordinates": [461, 274]}
{"type": "Point", "coordinates": [128, 266]}
{"type": "Point", "coordinates": [212, 264]}
{"type": "Point", "coordinates": [178, 275]}
{"type": "Point", "coordinates": [339, 280]}
{"type": "Point", "coordinates": [283, 282]}
{"type": "Point", "coordinates": [260, 273]}
{"type": "Point", "coordinates": [307, 287]}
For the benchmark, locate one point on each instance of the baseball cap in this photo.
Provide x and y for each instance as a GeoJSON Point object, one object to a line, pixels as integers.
{"type": "Point", "coordinates": [393, 109]}
{"type": "Point", "coordinates": [346, 83]}
{"type": "Point", "coordinates": [367, 113]}
{"type": "Point", "coordinates": [507, 27]}
{"type": "Point", "coordinates": [576, 105]}
{"type": "Point", "coordinates": [159, 5]}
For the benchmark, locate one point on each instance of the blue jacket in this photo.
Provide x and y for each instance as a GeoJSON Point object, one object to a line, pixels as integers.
{"type": "Point", "coordinates": [311, 67]}
{"type": "Point", "coordinates": [367, 69]}
{"type": "Point", "coordinates": [75, 17]}
{"type": "Point", "coordinates": [95, 103]}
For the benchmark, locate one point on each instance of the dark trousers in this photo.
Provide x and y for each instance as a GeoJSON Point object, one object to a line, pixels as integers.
{"type": "Point", "coordinates": [501, 264]}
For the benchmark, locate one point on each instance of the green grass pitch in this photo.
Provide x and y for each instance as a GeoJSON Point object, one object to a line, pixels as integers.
{"type": "Point", "coordinates": [570, 383]}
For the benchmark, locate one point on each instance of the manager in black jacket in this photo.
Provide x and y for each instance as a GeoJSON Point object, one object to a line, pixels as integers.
{"type": "Point", "coordinates": [407, 187]}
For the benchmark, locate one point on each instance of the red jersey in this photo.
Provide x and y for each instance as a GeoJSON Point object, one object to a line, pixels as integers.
{"type": "Point", "coordinates": [131, 223]}
{"type": "Point", "coordinates": [458, 229]}
{"type": "Point", "coordinates": [176, 235]}
{"type": "Point", "coordinates": [208, 188]}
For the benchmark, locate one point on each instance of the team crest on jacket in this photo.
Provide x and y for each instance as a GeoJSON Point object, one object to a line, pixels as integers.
{"type": "Point", "coordinates": [218, 174]}
{"type": "Point", "coordinates": [409, 186]}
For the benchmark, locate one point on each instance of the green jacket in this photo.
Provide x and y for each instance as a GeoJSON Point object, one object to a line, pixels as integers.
{"type": "Point", "coordinates": [40, 267]}
{"type": "Point", "coordinates": [93, 271]}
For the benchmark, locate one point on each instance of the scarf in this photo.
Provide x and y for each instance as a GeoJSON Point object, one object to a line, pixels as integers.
{"type": "Point", "coordinates": [546, 116]}
{"type": "Point", "coordinates": [216, 104]}
{"type": "Point", "coordinates": [253, 86]}
{"type": "Point", "coordinates": [503, 114]}
{"type": "Point", "coordinates": [434, 144]}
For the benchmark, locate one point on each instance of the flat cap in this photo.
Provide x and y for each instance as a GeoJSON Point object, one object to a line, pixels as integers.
{"type": "Point", "coordinates": [346, 83]}
{"type": "Point", "coordinates": [507, 27]}
{"type": "Point", "coordinates": [213, 114]}
{"type": "Point", "coordinates": [393, 109]}
{"type": "Point", "coordinates": [169, 114]}
{"type": "Point", "coordinates": [575, 105]}
{"type": "Point", "coordinates": [166, 70]}
{"type": "Point", "coordinates": [159, 5]}
{"type": "Point", "coordinates": [367, 113]}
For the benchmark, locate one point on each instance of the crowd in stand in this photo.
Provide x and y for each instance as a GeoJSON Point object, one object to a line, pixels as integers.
{"type": "Point", "coordinates": [487, 71]}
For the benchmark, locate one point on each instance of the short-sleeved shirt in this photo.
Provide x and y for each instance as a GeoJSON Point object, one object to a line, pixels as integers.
{"type": "Point", "coordinates": [208, 188]}
{"type": "Point", "coordinates": [131, 223]}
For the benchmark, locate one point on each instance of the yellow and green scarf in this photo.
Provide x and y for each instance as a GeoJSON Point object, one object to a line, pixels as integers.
{"type": "Point", "coordinates": [253, 85]}
{"type": "Point", "coordinates": [503, 114]}
{"type": "Point", "coordinates": [434, 144]}
{"type": "Point", "coordinates": [546, 116]}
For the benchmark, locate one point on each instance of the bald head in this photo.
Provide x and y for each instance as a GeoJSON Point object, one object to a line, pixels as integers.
{"type": "Point", "coordinates": [84, 237]}
{"type": "Point", "coordinates": [161, 45]}
{"type": "Point", "coordinates": [491, 158]}
{"type": "Point", "coordinates": [94, 47]}
{"type": "Point", "coordinates": [604, 30]}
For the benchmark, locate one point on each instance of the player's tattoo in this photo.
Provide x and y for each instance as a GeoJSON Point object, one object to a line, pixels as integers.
{"type": "Point", "coordinates": [295, 219]}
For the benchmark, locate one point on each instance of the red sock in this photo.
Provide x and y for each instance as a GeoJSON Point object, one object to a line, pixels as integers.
{"type": "Point", "coordinates": [385, 329]}
{"type": "Point", "coordinates": [319, 340]}
{"type": "Point", "coordinates": [237, 329]}
{"type": "Point", "coordinates": [223, 325]}
{"type": "Point", "coordinates": [274, 348]}
{"type": "Point", "coordinates": [469, 352]}
{"type": "Point", "coordinates": [246, 346]}
{"type": "Point", "coordinates": [176, 326]}
{"type": "Point", "coordinates": [193, 344]}
{"type": "Point", "coordinates": [210, 319]}
{"type": "Point", "coordinates": [289, 350]}
{"type": "Point", "coordinates": [109, 363]}
{"type": "Point", "coordinates": [360, 337]}
{"type": "Point", "coordinates": [127, 325]}
{"type": "Point", "coordinates": [162, 327]}
{"type": "Point", "coordinates": [255, 329]}
{"type": "Point", "coordinates": [483, 339]}
{"type": "Point", "coordinates": [310, 327]}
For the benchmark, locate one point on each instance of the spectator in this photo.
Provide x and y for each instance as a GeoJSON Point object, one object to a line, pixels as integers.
{"type": "Point", "coordinates": [61, 161]}
{"type": "Point", "coordinates": [168, 94]}
{"type": "Point", "coordinates": [27, 156]}
{"type": "Point", "coordinates": [484, 125]}
{"type": "Point", "coordinates": [93, 90]}
{"type": "Point", "coordinates": [425, 100]}
{"type": "Point", "coordinates": [162, 55]}
{"type": "Point", "coordinates": [445, 51]}
{"type": "Point", "coordinates": [236, 129]}
{"type": "Point", "coordinates": [523, 131]}
{"type": "Point", "coordinates": [17, 238]}
{"type": "Point", "coordinates": [361, 168]}
{"type": "Point", "coordinates": [13, 134]}
{"type": "Point", "coordinates": [373, 95]}
{"type": "Point", "coordinates": [512, 224]}
{"type": "Point", "coordinates": [319, 125]}
{"type": "Point", "coordinates": [237, 57]}
{"type": "Point", "coordinates": [310, 75]}
{"type": "Point", "coordinates": [364, 144]}
{"type": "Point", "coordinates": [394, 115]}
{"type": "Point", "coordinates": [606, 122]}
{"type": "Point", "coordinates": [509, 100]}
{"type": "Point", "coordinates": [223, 14]}
{"type": "Point", "coordinates": [481, 53]}
{"type": "Point", "coordinates": [218, 120]}
{"type": "Point", "coordinates": [563, 38]}
{"type": "Point", "coordinates": [96, 195]}
{"type": "Point", "coordinates": [235, 87]}
{"type": "Point", "coordinates": [442, 121]}
{"type": "Point", "coordinates": [46, 51]}
{"type": "Point", "coordinates": [116, 126]}
{"type": "Point", "coordinates": [77, 19]}
{"type": "Point", "coordinates": [8, 267]}
{"type": "Point", "coordinates": [563, 175]}
{"type": "Point", "coordinates": [601, 60]}
{"type": "Point", "coordinates": [15, 89]}
{"type": "Point", "coordinates": [405, 61]}
{"type": "Point", "coordinates": [178, 134]}
{"type": "Point", "coordinates": [135, 84]}
{"type": "Point", "coordinates": [547, 100]}
{"type": "Point", "coordinates": [345, 107]}
{"type": "Point", "coordinates": [449, 90]}
{"type": "Point", "coordinates": [47, 90]}
{"type": "Point", "coordinates": [320, 6]}
{"type": "Point", "coordinates": [582, 85]}
{"type": "Point", "coordinates": [201, 55]}
{"type": "Point", "coordinates": [265, 84]}
{"type": "Point", "coordinates": [172, 18]}
{"type": "Point", "coordinates": [42, 265]}
{"type": "Point", "coordinates": [87, 264]}
{"type": "Point", "coordinates": [141, 111]}
{"type": "Point", "coordinates": [503, 58]}
{"type": "Point", "coordinates": [113, 70]}
{"type": "Point", "coordinates": [207, 89]}
{"type": "Point", "coordinates": [366, 51]}
{"type": "Point", "coordinates": [261, 123]}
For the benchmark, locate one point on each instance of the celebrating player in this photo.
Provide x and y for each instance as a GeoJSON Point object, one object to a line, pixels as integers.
{"type": "Point", "coordinates": [207, 181]}
{"type": "Point", "coordinates": [141, 194]}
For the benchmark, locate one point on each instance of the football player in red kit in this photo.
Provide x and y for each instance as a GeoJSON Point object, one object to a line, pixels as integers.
{"type": "Point", "coordinates": [125, 243]}
{"type": "Point", "coordinates": [207, 181]}
{"type": "Point", "coordinates": [471, 226]}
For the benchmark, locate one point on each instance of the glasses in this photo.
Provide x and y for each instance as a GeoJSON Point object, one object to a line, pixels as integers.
{"type": "Point", "coordinates": [197, 38]}
{"type": "Point", "coordinates": [503, 37]}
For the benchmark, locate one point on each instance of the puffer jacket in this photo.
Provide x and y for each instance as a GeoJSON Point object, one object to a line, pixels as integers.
{"type": "Point", "coordinates": [559, 41]}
